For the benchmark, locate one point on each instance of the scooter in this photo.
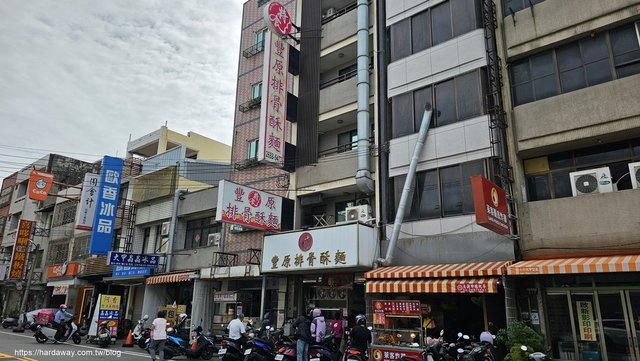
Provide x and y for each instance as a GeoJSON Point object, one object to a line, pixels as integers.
{"type": "Point", "coordinates": [174, 345]}
{"type": "Point", "coordinates": [104, 334]}
{"type": "Point", "coordinates": [325, 350]}
{"type": "Point", "coordinates": [47, 333]}
{"type": "Point", "coordinates": [140, 333]}
{"type": "Point", "coordinates": [10, 322]}
{"type": "Point", "coordinates": [205, 346]}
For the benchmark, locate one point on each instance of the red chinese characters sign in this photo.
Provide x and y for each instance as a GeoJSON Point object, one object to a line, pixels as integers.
{"type": "Point", "coordinates": [397, 307]}
{"type": "Point", "coordinates": [20, 251]}
{"type": "Point", "coordinates": [391, 354]}
{"type": "Point", "coordinates": [490, 203]}
{"type": "Point", "coordinates": [273, 112]}
{"type": "Point", "coordinates": [277, 18]}
{"type": "Point", "coordinates": [249, 207]}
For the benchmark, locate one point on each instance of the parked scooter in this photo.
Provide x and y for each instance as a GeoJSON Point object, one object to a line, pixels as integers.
{"type": "Point", "coordinates": [104, 334]}
{"type": "Point", "coordinates": [47, 333]}
{"type": "Point", "coordinates": [140, 333]}
{"type": "Point", "coordinates": [10, 322]}
{"type": "Point", "coordinates": [533, 356]}
{"type": "Point", "coordinates": [325, 350]}
{"type": "Point", "coordinates": [205, 345]}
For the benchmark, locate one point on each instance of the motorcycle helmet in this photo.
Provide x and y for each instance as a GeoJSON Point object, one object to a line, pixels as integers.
{"type": "Point", "coordinates": [486, 336]}
{"type": "Point", "coordinates": [182, 317]}
{"type": "Point", "coordinates": [361, 320]}
{"type": "Point", "coordinates": [63, 306]}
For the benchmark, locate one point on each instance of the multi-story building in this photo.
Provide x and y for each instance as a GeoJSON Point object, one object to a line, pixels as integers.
{"type": "Point", "coordinates": [572, 79]}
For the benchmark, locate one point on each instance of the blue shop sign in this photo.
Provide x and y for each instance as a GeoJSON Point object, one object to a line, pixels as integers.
{"type": "Point", "coordinates": [125, 271]}
{"type": "Point", "coordinates": [133, 259]}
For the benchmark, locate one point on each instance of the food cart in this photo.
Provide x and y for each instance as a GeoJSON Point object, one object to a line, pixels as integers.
{"type": "Point", "coordinates": [397, 330]}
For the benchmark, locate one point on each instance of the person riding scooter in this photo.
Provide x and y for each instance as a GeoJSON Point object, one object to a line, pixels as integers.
{"type": "Point", "coordinates": [59, 323]}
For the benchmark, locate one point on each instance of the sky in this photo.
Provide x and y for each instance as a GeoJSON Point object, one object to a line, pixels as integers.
{"type": "Point", "coordinates": [79, 77]}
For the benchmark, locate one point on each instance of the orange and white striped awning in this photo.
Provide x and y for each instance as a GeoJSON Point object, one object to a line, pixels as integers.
{"type": "Point", "coordinates": [439, 285]}
{"type": "Point", "coordinates": [480, 269]}
{"type": "Point", "coordinates": [170, 278]}
{"type": "Point", "coordinates": [576, 265]}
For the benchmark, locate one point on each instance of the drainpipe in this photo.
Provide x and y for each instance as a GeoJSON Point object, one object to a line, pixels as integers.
{"type": "Point", "coordinates": [363, 174]}
{"type": "Point", "coordinates": [172, 227]}
{"type": "Point", "coordinates": [383, 108]}
{"type": "Point", "coordinates": [408, 185]}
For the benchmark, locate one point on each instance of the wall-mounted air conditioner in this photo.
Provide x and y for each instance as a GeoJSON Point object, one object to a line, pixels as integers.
{"type": "Point", "coordinates": [358, 213]}
{"type": "Point", "coordinates": [213, 239]}
{"type": "Point", "coordinates": [164, 231]}
{"type": "Point", "coordinates": [634, 174]}
{"type": "Point", "coordinates": [591, 181]}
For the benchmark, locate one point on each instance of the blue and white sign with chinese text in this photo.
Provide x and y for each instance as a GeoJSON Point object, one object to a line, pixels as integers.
{"type": "Point", "coordinates": [109, 315]}
{"type": "Point", "coordinates": [106, 206]}
{"type": "Point", "coordinates": [125, 271]}
{"type": "Point", "coordinates": [132, 259]}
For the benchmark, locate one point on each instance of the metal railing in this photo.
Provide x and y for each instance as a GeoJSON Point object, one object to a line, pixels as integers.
{"type": "Point", "coordinates": [251, 104]}
{"type": "Point", "coordinates": [253, 50]}
{"type": "Point", "coordinates": [223, 259]}
{"type": "Point", "coordinates": [342, 77]}
{"type": "Point", "coordinates": [339, 13]}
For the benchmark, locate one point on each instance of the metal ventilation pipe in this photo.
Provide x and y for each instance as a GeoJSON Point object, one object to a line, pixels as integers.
{"type": "Point", "coordinates": [363, 173]}
{"type": "Point", "coordinates": [172, 228]}
{"type": "Point", "coordinates": [408, 185]}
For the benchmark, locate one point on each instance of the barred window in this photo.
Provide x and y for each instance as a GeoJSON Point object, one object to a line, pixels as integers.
{"type": "Point", "coordinates": [58, 253]}
{"type": "Point", "coordinates": [64, 213]}
{"type": "Point", "coordinates": [80, 248]}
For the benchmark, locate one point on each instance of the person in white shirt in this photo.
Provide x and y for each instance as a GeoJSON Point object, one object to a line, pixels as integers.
{"type": "Point", "coordinates": [158, 336]}
{"type": "Point", "coordinates": [237, 331]}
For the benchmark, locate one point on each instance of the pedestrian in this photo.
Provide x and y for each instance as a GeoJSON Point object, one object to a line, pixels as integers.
{"type": "Point", "coordinates": [237, 331]}
{"type": "Point", "coordinates": [303, 337]}
{"type": "Point", "coordinates": [360, 335]}
{"type": "Point", "coordinates": [337, 329]}
{"type": "Point", "coordinates": [318, 325]}
{"type": "Point", "coordinates": [158, 336]}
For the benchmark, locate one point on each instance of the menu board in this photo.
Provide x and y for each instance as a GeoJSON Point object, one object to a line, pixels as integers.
{"type": "Point", "coordinates": [410, 308]}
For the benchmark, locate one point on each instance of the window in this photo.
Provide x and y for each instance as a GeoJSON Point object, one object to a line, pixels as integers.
{"type": "Point", "coordinates": [433, 26]}
{"type": "Point", "coordinates": [347, 141]}
{"type": "Point", "coordinates": [64, 213]}
{"type": "Point", "coordinates": [80, 248]}
{"type": "Point", "coordinates": [260, 35]}
{"type": "Point", "coordinates": [21, 189]}
{"type": "Point", "coordinates": [256, 91]}
{"type": "Point", "coordinates": [440, 192]}
{"type": "Point", "coordinates": [548, 176]}
{"type": "Point", "coordinates": [454, 100]}
{"type": "Point", "coordinates": [580, 64]}
{"type": "Point", "coordinates": [516, 5]}
{"type": "Point", "coordinates": [145, 240]}
{"type": "Point", "coordinates": [58, 253]}
{"type": "Point", "coordinates": [252, 149]}
{"type": "Point", "coordinates": [199, 230]}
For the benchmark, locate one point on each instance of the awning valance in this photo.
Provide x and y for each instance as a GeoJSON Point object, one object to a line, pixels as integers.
{"type": "Point", "coordinates": [441, 285]}
{"type": "Point", "coordinates": [479, 269]}
{"type": "Point", "coordinates": [170, 278]}
{"type": "Point", "coordinates": [576, 265]}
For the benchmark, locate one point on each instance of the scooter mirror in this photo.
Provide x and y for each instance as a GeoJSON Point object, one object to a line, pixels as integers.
{"type": "Point", "coordinates": [524, 348]}
{"type": "Point", "coordinates": [145, 317]}
{"type": "Point", "coordinates": [459, 334]}
{"type": "Point", "coordinates": [466, 337]}
{"type": "Point", "coordinates": [460, 350]}
{"type": "Point", "coordinates": [441, 332]}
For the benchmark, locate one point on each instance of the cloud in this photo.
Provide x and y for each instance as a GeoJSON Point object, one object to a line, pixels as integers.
{"type": "Point", "coordinates": [81, 76]}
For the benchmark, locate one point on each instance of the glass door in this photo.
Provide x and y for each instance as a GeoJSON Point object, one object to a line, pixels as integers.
{"type": "Point", "coordinates": [587, 326]}
{"type": "Point", "coordinates": [632, 299]}
{"type": "Point", "coordinates": [617, 335]}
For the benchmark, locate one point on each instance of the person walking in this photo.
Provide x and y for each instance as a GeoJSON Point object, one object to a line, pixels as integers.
{"type": "Point", "coordinates": [302, 335]}
{"type": "Point", "coordinates": [318, 325]}
{"type": "Point", "coordinates": [158, 336]}
{"type": "Point", "coordinates": [337, 329]}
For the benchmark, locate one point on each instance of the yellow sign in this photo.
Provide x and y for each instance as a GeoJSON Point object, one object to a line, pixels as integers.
{"type": "Point", "coordinates": [585, 321]}
{"type": "Point", "coordinates": [110, 302]}
{"type": "Point", "coordinates": [172, 313]}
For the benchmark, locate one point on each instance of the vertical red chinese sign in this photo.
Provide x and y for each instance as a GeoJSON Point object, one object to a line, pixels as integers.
{"type": "Point", "coordinates": [20, 251]}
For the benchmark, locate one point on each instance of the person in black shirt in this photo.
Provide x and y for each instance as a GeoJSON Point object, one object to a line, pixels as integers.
{"type": "Point", "coordinates": [360, 335]}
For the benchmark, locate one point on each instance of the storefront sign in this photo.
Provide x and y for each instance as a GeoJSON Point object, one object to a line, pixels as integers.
{"type": "Point", "coordinates": [471, 288]}
{"type": "Point", "coordinates": [490, 203]}
{"type": "Point", "coordinates": [273, 111]}
{"type": "Point", "coordinates": [39, 185]}
{"type": "Point", "coordinates": [125, 271]}
{"type": "Point", "coordinates": [88, 201]}
{"type": "Point", "coordinates": [586, 322]}
{"type": "Point", "coordinates": [224, 297]}
{"type": "Point", "coordinates": [60, 290]}
{"type": "Point", "coordinates": [132, 259]}
{"type": "Point", "coordinates": [350, 245]}
{"type": "Point", "coordinates": [384, 354]}
{"type": "Point", "coordinates": [63, 269]}
{"type": "Point", "coordinates": [20, 251]}
{"type": "Point", "coordinates": [110, 312]}
{"type": "Point", "coordinates": [277, 18]}
{"type": "Point", "coordinates": [105, 218]}
{"type": "Point", "coordinates": [397, 307]}
{"type": "Point", "coordinates": [249, 207]}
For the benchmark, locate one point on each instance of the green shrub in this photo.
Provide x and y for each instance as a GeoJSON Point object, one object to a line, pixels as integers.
{"type": "Point", "coordinates": [517, 333]}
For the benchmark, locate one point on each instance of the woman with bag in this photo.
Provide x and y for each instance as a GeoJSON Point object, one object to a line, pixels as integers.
{"type": "Point", "coordinates": [337, 329]}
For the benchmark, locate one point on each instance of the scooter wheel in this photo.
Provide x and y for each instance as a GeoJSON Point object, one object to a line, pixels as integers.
{"type": "Point", "coordinates": [40, 338]}
{"type": "Point", "coordinates": [76, 338]}
{"type": "Point", "coordinates": [206, 354]}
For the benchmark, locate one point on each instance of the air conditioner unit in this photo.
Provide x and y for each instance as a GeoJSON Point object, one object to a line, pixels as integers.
{"type": "Point", "coordinates": [213, 239]}
{"type": "Point", "coordinates": [634, 174]}
{"type": "Point", "coordinates": [358, 213]}
{"type": "Point", "coordinates": [165, 229]}
{"type": "Point", "coordinates": [591, 181]}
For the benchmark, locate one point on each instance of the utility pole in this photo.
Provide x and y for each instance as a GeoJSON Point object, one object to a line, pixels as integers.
{"type": "Point", "coordinates": [25, 295]}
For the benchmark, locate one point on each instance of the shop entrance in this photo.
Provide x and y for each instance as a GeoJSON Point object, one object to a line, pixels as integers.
{"type": "Point", "coordinates": [602, 325]}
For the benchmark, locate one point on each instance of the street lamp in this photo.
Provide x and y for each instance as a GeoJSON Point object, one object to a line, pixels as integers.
{"type": "Point", "coordinates": [25, 295]}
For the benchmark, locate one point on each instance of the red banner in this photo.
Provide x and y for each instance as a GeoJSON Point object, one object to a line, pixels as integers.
{"type": "Point", "coordinates": [39, 185]}
{"type": "Point", "coordinates": [20, 251]}
{"type": "Point", "coordinates": [397, 307]}
{"type": "Point", "coordinates": [490, 203]}
{"type": "Point", "coordinates": [391, 354]}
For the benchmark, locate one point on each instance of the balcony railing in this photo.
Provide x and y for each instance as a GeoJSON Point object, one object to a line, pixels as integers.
{"type": "Point", "coordinates": [343, 77]}
{"type": "Point", "coordinates": [253, 50]}
{"type": "Point", "coordinates": [251, 104]}
{"type": "Point", "coordinates": [247, 163]}
{"type": "Point", "coordinates": [223, 259]}
{"type": "Point", "coordinates": [339, 13]}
